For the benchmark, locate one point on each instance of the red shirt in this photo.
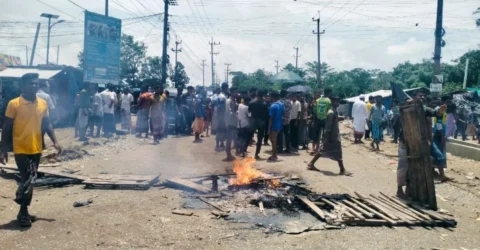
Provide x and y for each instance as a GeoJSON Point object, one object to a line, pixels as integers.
{"type": "Point", "coordinates": [145, 100]}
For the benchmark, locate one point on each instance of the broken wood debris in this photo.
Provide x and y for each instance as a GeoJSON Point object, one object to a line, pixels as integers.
{"type": "Point", "coordinates": [182, 212]}
{"type": "Point", "coordinates": [121, 181]}
{"type": "Point", "coordinates": [220, 208]}
{"type": "Point", "coordinates": [190, 185]}
{"type": "Point", "coordinates": [374, 210]}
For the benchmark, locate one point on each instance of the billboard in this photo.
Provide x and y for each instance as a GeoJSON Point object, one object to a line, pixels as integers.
{"type": "Point", "coordinates": [101, 51]}
{"type": "Point", "coordinates": [6, 60]}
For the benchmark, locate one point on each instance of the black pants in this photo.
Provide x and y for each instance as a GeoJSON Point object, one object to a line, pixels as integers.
{"type": "Point", "coordinates": [266, 135]}
{"type": "Point", "coordinates": [368, 131]}
{"type": "Point", "coordinates": [294, 134]}
{"type": "Point", "coordinates": [27, 166]}
{"type": "Point", "coordinates": [232, 132]}
{"type": "Point", "coordinates": [284, 139]}
{"type": "Point", "coordinates": [320, 129]}
{"type": "Point", "coordinates": [396, 129]}
{"type": "Point", "coordinates": [462, 129]}
{"type": "Point", "coordinates": [93, 121]}
{"type": "Point", "coordinates": [259, 126]}
{"type": "Point", "coordinates": [179, 124]}
{"type": "Point", "coordinates": [243, 140]}
{"type": "Point", "coordinates": [189, 118]}
{"type": "Point", "coordinates": [109, 123]}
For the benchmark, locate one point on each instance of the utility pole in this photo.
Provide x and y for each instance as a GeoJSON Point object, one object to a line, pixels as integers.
{"type": "Point", "coordinates": [439, 43]}
{"type": "Point", "coordinates": [106, 7]}
{"type": "Point", "coordinates": [319, 67]}
{"type": "Point", "coordinates": [277, 66]}
{"type": "Point", "coordinates": [26, 55]}
{"type": "Point", "coordinates": [58, 53]}
{"type": "Point", "coordinates": [466, 75]}
{"type": "Point", "coordinates": [203, 72]}
{"type": "Point", "coordinates": [176, 50]}
{"type": "Point", "coordinates": [228, 71]}
{"type": "Point", "coordinates": [296, 57]}
{"type": "Point", "coordinates": [212, 44]}
{"type": "Point", "coordinates": [165, 40]}
{"type": "Point", "coordinates": [34, 44]}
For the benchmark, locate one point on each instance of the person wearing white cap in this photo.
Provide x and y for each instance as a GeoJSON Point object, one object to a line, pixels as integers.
{"type": "Point", "coordinates": [359, 114]}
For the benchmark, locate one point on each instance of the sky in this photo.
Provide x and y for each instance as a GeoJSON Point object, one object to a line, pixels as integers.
{"type": "Point", "coordinates": [371, 34]}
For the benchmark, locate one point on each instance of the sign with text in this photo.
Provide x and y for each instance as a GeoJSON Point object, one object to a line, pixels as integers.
{"type": "Point", "coordinates": [101, 51]}
{"type": "Point", "coordinates": [436, 87]}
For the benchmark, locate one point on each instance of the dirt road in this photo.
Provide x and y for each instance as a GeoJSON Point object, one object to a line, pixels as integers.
{"type": "Point", "coordinates": [143, 220]}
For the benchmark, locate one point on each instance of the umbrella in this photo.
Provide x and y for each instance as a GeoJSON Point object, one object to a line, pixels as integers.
{"type": "Point", "coordinates": [286, 77]}
{"type": "Point", "coordinates": [299, 88]}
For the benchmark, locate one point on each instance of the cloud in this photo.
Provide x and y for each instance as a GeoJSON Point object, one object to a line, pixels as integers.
{"type": "Point", "coordinates": [410, 47]}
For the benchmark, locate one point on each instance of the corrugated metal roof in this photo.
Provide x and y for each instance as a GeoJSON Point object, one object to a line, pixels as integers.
{"type": "Point", "coordinates": [44, 74]}
{"type": "Point", "coordinates": [382, 92]}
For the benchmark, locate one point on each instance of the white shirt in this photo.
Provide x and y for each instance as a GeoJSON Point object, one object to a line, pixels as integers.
{"type": "Point", "coordinates": [47, 98]}
{"type": "Point", "coordinates": [107, 98]}
{"type": "Point", "coordinates": [126, 102]}
{"type": "Point", "coordinates": [296, 107]}
{"type": "Point", "coordinates": [242, 115]}
{"type": "Point", "coordinates": [97, 105]}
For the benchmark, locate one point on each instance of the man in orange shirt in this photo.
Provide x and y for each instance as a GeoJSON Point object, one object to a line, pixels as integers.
{"type": "Point", "coordinates": [25, 118]}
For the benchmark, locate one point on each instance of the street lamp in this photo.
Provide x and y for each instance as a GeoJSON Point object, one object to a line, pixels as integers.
{"type": "Point", "coordinates": [50, 25]}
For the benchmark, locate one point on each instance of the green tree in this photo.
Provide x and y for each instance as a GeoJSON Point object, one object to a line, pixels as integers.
{"type": "Point", "coordinates": [299, 71]}
{"type": "Point", "coordinates": [477, 21]}
{"type": "Point", "coordinates": [132, 56]}
{"type": "Point", "coordinates": [259, 79]}
{"type": "Point", "coordinates": [80, 59]}
{"type": "Point", "coordinates": [180, 77]}
{"type": "Point", "coordinates": [151, 71]}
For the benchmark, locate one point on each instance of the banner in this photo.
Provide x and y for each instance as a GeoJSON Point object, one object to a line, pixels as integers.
{"type": "Point", "coordinates": [6, 60]}
{"type": "Point", "coordinates": [101, 52]}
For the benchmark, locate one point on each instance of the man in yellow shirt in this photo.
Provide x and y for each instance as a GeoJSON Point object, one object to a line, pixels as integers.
{"type": "Point", "coordinates": [25, 118]}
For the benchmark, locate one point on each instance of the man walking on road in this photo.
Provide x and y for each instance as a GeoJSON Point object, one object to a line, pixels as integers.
{"type": "Point", "coordinates": [294, 120]}
{"type": "Point", "coordinates": [24, 118]}
{"type": "Point", "coordinates": [275, 123]}
{"type": "Point", "coordinates": [359, 114]}
{"type": "Point", "coordinates": [127, 100]}
{"type": "Point", "coordinates": [284, 134]}
{"type": "Point", "coordinates": [231, 121]}
{"type": "Point", "coordinates": [259, 110]}
{"type": "Point", "coordinates": [220, 126]}
{"type": "Point", "coordinates": [332, 147]}
{"type": "Point", "coordinates": [322, 108]}
{"type": "Point", "coordinates": [144, 103]}
{"type": "Point", "coordinates": [96, 117]}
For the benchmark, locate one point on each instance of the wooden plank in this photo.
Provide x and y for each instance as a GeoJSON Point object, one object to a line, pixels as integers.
{"type": "Point", "coordinates": [420, 185]}
{"type": "Point", "coordinates": [434, 215]}
{"type": "Point", "coordinates": [371, 210]}
{"type": "Point", "coordinates": [56, 172]}
{"type": "Point", "coordinates": [190, 185]}
{"type": "Point", "coordinates": [220, 208]}
{"type": "Point", "coordinates": [207, 176]}
{"type": "Point", "coordinates": [378, 207]}
{"type": "Point", "coordinates": [395, 200]}
{"type": "Point", "coordinates": [312, 206]}
{"type": "Point", "coordinates": [351, 210]}
{"type": "Point", "coordinates": [393, 210]}
{"type": "Point", "coordinates": [358, 208]}
{"type": "Point", "coordinates": [402, 209]}
{"type": "Point", "coordinates": [337, 206]}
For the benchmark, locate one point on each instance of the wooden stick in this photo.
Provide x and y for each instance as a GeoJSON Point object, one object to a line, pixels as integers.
{"type": "Point", "coordinates": [371, 210]}
{"type": "Point", "coordinates": [392, 209]}
{"type": "Point", "coordinates": [214, 205]}
{"type": "Point", "coordinates": [378, 207]}
{"type": "Point", "coordinates": [205, 196]}
{"type": "Point", "coordinates": [190, 185]}
{"type": "Point", "coordinates": [208, 176]}
{"type": "Point", "coordinates": [434, 215]}
{"type": "Point", "coordinates": [358, 208]}
{"type": "Point", "coordinates": [395, 200]}
{"type": "Point", "coordinates": [350, 210]}
{"type": "Point", "coordinates": [312, 206]}
{"type": "Point", "coordinates": [268, 178]}
{"type": "Point", "coordinates": [336, 206]}
{"type": "Point", "coordinates": [400, 208]}
{"type": "Point", "coordinates": [260, 205]}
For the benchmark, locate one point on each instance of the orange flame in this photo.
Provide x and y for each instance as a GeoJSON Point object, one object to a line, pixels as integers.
{"type": "Point", "coordinates": [245, 172]}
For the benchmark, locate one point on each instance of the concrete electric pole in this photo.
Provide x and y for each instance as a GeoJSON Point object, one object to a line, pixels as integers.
{"type": "Point", "coordinates": [228, 71]}
{"type": "Point", "coordinates": [203, 72]}
{"type": "Point", "coordinates": [58, 53]}
{"type": "Point", "coordinates": [176, 50]}
{"type": "Point", "coordinates": [318, 33]}
{"type": "Point", "coordinates": [439, 43]}
{"type": "Point", "coordinates": [34, 44]}
{"type": "Point", "coordinates": [212, 44]}
{"type": "Point", "coordinates": [277, 66]}
{"type": "Point", "coordinates": [296, 57]}
{"type": "Point", "coordinates": [106, 7]}
{"type": "Point", "coordinates": [165, 40]}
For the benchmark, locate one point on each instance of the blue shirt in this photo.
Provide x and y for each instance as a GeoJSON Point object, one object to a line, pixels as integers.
{"type": "Point", "coordinates": [199, 112]}
{"type": "Point", "coordinates": [276, 113]}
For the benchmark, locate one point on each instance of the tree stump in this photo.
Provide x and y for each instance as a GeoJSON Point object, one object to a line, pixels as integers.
{"type": "Point", "coordinates": [420, 185]}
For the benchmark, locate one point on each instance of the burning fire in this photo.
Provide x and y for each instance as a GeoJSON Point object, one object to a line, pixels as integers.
{"type": "Point", "coordinates": [246, 173]}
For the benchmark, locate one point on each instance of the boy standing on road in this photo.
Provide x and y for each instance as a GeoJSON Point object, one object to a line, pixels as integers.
{"type": "Point", "coordinates": [24, 118]}
{"type": "Point", "coordinates": [275, 125]}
